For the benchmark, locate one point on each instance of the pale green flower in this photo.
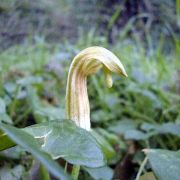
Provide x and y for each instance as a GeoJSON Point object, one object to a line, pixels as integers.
{"type": "Point", "coordinates": [87, 62]}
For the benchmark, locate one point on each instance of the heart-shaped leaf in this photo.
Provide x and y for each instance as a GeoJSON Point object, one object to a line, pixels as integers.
{"type": "Point", "coordinates": [121, 127]}
{"type": "Point", "coordinates": [138, 135]}
{"type": "Point", "coordinates": [165, 163]}
{"type": "Point", "coordinates": [104, 173]}
{"type": "Point", "coordinates": [26, 141]}
{"type": "Point", "coordinates": [172, 128]}
{"type": "Point", "coordinates": [64, 139]}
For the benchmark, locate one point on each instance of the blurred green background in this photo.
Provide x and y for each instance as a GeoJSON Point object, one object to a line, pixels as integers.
{"type": "Point", "coordinates": [38, 40]}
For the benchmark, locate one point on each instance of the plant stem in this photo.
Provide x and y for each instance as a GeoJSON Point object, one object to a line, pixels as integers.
{"type": "Point", "coordinates": [141, 168]}
{"type": "Point", "coordinates": [75, 172]}
{"type": "Point", "coordinates": [44, 174]}
{"type": "Point", "coordinates": [65, 167]}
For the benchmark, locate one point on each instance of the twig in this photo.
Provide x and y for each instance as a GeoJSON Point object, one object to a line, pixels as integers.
{"type": "Point", "coordinates": [141, 168]}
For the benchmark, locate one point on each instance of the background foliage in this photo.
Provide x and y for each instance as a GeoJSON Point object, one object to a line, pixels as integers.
{"type": "Point", "coordinates": [38, 40]}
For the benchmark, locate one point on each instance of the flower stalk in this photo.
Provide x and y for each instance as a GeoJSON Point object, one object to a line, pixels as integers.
{"type": "Point", "coordinates": [88, 62]}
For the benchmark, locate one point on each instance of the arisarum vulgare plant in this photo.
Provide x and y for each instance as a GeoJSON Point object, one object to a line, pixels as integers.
{"type": "Point", "coordinates": [62, 138]}
{"type": "Point", "coordinates": [88, 62]}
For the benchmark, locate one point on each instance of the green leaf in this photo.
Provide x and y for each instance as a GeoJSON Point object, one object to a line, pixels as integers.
{"type": "Point", "coordinates": [171, 128]}
{"type": "Point", "coordinates": [15, 153]}
{"type": "Point", "coordinates": [106, 147]}
{"type": "Point", "coordinates": [2, 106]}
{"type": "Point", "coordinates": [112, 138]}
{"type": "Point", "coordinates": [10, 88]}
{"type": "Point", "coordinates": [26, 141]}
{"type": "Point", "coordinates": [41, 113]}
{"type": "Point", "coordinates": [137, 135]}
{"type": "Point", "coordinates": [165, 163]}
{"type": "Point", "coordinates": [103, 173]}
{"type": "Point", "coordinates": [151, 130]}
{"type": "Point", "coordinates": [120, 127]}
{"type": "Point", "coordinates": [148, 176]}
{"type": "Point", "coordinates": [101, 116]}
{"type": "Point", "coordinates": [64, 139]}
{"type": "Point", "coordinates": [48, 113]}
{"type": "Point", "coordinates": [3, 116]}
{"type": "Point", "coordinates": [9, 173]}
{"type": "Point", "coordinates": [30, 80]}
{"type": "Point", "coordinates": [5, 141]}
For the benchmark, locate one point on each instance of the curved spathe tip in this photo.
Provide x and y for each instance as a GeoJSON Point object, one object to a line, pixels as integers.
{"type": "Point", "coordinates": [88, 62]}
